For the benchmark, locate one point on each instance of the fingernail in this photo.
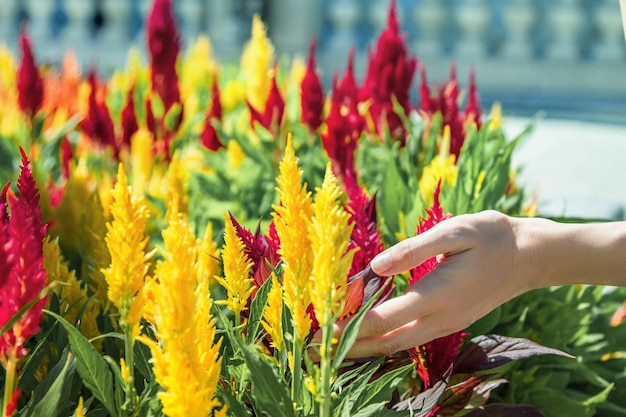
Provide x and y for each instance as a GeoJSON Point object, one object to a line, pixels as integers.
{"type": "Point", "coordinates": [381, 263]}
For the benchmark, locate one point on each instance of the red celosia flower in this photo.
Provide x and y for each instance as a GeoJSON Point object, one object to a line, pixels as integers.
{"type": "Point", "coordinates": [446, 101]}
{"type": "Point", "coordinates": [67, 154]}
{"type": "Point", "coordinates": [29, 81]}
{"type": "Point", "coordinates": [434, 358]}
{"type": "Point", "coordinates": [260, 249]}
{"type": "Point", "coordinates": [344, 124]}
{"type": "Point", "coordinates": [21, 262]}
{"type": "Point", "coordinates": [98, 124]}
{"type": "Point", "coordinates": [272, 116]}
{"type": "Point", "coordinates": [209, 137]}
{"type": "Point", "coordinates": [164, 46]}
{"type": "Point", "coordinates": [389, 74]}
{"type": "Point", "coordinates": [311, 94]}
{"type": "Point", "coordinates": [150, 121]}
{"type": "Point", "coordinates": [129, 119]}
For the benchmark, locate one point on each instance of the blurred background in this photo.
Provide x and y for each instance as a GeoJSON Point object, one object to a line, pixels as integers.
{"type": "Point", "coordinates": [565, 58]}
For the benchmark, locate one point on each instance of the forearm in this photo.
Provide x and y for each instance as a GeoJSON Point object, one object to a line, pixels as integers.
{"type": "Point", "coordinates": [591, 253]}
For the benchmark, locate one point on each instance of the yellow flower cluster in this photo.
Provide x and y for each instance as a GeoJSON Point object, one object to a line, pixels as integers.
{"type": "Point", "coordinates": [257, 57]}
{"type": "Point", "coordinates": [127, 244]}
{"type": "Point", "coordinates": [442, 168]}
{"type": "Point", "coordinates": [293, 216]}
{"type": "Point", "coordinates": [273, 314]}
{"type": "Point", "coordinates": [186, 358]}
{"type": "Point", "coordinates": [237, 267]}
{"type": "Point", "coordinates": [329, 232]}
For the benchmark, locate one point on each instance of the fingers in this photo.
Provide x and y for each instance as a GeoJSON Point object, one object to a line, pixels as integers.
{"type": "Point", "coordinates": [444, 238]}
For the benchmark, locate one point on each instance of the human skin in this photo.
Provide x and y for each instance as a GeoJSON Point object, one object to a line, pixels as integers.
{"type": "Point", "coordinates": [486, 259]}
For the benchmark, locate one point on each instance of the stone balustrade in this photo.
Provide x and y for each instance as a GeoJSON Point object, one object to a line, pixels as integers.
{"type": "Point", "coordinates": [561, 54]}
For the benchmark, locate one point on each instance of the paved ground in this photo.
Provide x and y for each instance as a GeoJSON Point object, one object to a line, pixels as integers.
{"type": "Point", "coordinates": [574, 168]}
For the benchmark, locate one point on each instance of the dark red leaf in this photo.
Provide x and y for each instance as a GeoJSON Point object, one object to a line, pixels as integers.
{"type": "Point", "coordinates": [490, 351]}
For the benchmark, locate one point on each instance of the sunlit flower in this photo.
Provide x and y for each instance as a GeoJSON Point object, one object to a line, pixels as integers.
{"type": "Point", "coordinates": [141, 159]}
{"type": "Point", "coordinates": [74, 302]}
{"type": "Point", "coordinates": [209, 137]}
{"type": "Point", "coordinates": [442, 168]}
{"type": "Point", "coordinates": [22, 273]}
{"type": "Point", "coordinates": [234, 94]}
{"type": "Point", "coordinates": [186, 356]}
{"type": "Point", "coordinates": [291, 217]}
{"type": "Point", "coordinates": [164, 46]}
{"type": "Point", "coordinates": [197, 71]}
{"type": "Point", "coordinates": [433, 358]}
{"type": "Point", "coordinates": [79, 407]}
{"type": "Point", "coordinates": [273, 315]}
{"type": "Point", "coordinates": [208, 263]}
{"type": "Point", "coordinates": [329, 232]}
{"type": "Point", "coordinates": [237, 268]}
{"type": "Point", "coordinates": [258, 55]}
{"type": "Point", "coordinates": [344, 124]}
{"type": "Point", "coordinates": [272, 115]}
{"type": "Point", "coordinates": [29, 81]}
{"type": "Point", "coordinates": [389, 74]}
{"type": "Point", "coordinates": [127, 243]}
{"type": "Point", "coordinates": [312, 94]}
{"type": "Point", "coordinates": [98, 124]}
{"type": "Point", "coordinates": [236, 155]}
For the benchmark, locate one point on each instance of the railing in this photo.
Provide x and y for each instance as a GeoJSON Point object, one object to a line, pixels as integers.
{"type": "Point", "coordinates": [558, 53]}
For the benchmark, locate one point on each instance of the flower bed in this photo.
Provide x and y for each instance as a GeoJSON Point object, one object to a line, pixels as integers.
{"type": "Point", "coordinates": [182, 236]}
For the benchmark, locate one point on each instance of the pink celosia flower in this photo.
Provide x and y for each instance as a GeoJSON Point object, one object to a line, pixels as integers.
{"type": "Point", "coordinates": [98, 124]}
{"type": "Point", "coordinates": [272, 115]}
{"type": "Point", "coordinates": [164, 46]}
{"type": "Point", "coordinates": [435, 357]}
{"type": "Point", "coordinates": [311, 94]}
{"type": "Point", "coordinates": [344, 124]}
{"type": "Point", "coordinates": [29, 81]}
{"type": "Point", "coordinates": [473, 111]}
{"type": "Point", "coordinates": [209, 137]}
{"type": "Point", "coordinates": [21, 262]}
{"type": "Point", "coordinates": [389, 74]}
{"type": "Point", "coordinates": [129, 119]}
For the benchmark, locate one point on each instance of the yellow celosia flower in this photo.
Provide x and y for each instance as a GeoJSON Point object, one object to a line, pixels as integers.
{"type": "Point", "coordinates": [175, 192]}
{"type": "Point", "coordinates": [141, 159]}
{"type": "Point", "coordinates": [185, 356]}
{"type": "Point", "coordinates": [72, 297]}
{"type": "Point", "coordinates": [196, 73]}
{"type": "Point", "coordinates": [233, 94]}
{"type": "Point", "coordinates": [127, 243]}
{"type": "Point", "coordinates": [8, 70]}
{"type": "Point", "coordinates": [298, 70]}
{"type": "Point", "coordinates": [496, 116]}
{"type": "Point", "coordinates": [81, 209]}
{"type": "Point", "coordinates": [330, 235]}
{"type": "Point", "coordinates": [79, 407]}
{"type": "Point", "coordinates": [208, 264]}
{"type": "Point", "coordinates": [273, 314]}
{"type": "Point", "coordinates": [442, 168]}
{"type": "Point", "coordinates": [236, 155]}
{"type": "Point", "coordinates": [292, 219]}
{"type": "Point", "coordinates": [237, 267]}
{"type": "Point", "coordinates": [257, 57]}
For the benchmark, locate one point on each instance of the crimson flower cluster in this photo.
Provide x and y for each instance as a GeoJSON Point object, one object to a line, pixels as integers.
{"type": "Point", "coordinates": [29, 81]}
{"type": "Point", "coordinates": [22, 275]}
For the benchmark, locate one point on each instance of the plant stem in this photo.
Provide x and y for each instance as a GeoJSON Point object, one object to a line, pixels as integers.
{"type": "Point", "coordinates": [326, 369]}
{"type": "Point", "coordinates": [296, 377]}
{"type": "Point", "coordinates": [9, 384]}
{"type": "Point", "coordinates": [130, 404]}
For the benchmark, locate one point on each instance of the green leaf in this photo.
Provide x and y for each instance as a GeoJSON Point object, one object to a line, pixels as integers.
{"type": "Point", "coordinates": [351, 331]}
{"type": "Point", "coordinates": [269, 390]}
{"type": "Point", "coordinates": [54, 401]}
{"type": "Point", "coordinates": [384, 385]}
{"type": "Point", "coordinates": [347, 401]}
{"type": "Point", "coordinates": [235, 407]}
{"type": "Point", "coordinates": [91, 367]}
{"type": "Point", "coordinates": [256, 309]}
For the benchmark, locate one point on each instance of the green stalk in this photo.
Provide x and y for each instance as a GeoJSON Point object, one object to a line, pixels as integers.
{"type": "Point", "coordinates": [296, 377]}
{"type": "Point", "coordinates": [326, 369]}
{"type": "Point", "coordinates": [130, 404]}
{"type": "Point", "coordinates": [9, 384]}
